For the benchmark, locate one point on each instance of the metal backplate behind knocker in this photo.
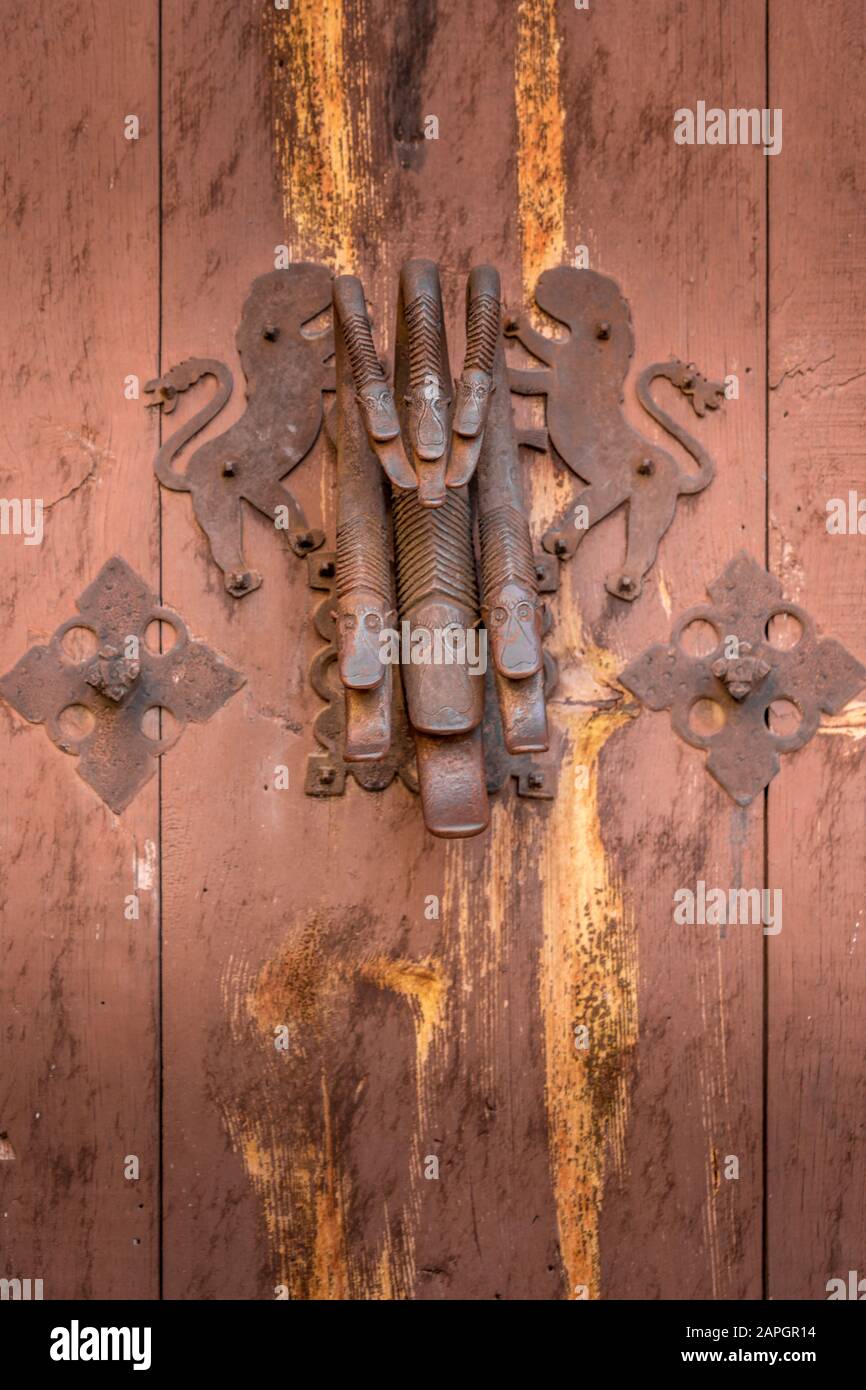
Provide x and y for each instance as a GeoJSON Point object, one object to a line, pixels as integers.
{"type": "Point", "coordinates": [432, 528]}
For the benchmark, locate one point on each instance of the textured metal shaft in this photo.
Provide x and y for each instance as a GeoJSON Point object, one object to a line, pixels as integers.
{"type": "Point", "coordinates": [437, 585]}
{"type": "Point", "coordinates": [364, 580]}
{"type": "Point", "coordinates": [437, 593]}
{"type": "Point", "coordinates": [511, 607]}
{"type": "Point", "coordinates": [372, 392]}
{"type": "Point", "coordinates": [425, 374]}
{"type": "Point", "coordinates": [434, 551]}
{"type": "Point", "coordinates": [483, 320]}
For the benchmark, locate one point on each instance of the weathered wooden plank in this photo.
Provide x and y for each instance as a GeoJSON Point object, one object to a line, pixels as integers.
{"type": "Point", "coordinates": [409, 1037]}
{"type": "Point", "coordinates": [676, 1085]}
{"type": "Point", "coordinates": [453, 1037]}
{"type": "Point", "coordinates": [80, 313]}
{"type": "Point", "coordinates": [816, 992]}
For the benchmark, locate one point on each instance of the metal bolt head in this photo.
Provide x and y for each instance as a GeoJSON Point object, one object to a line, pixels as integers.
{"type": "Point", "coordinates": [536, 780]}
{"type": "Point", "coordinates": [602, 330]}
{"type": "Point", "coordinates": [646, 467]}
{"type": "Point", "coordinates": [112, 674]}
{"type": "Point", "coordinates": [560, 548]}
{"type": "Point", "coordinates": [270, 332]}
{"type": "Point", "coordinates": [326, 776]}
{"type": "Point", "coordinates": [327, 570]}
{"type": "Point", "coordinates": [626, 585]}
{"type": "Point", "coordinates": [230, 469]}
{"type": "Point", "coordinates": [305, 540]}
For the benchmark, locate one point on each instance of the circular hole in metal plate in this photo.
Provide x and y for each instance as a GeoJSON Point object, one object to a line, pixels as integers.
{"type": "Point", "coordinates": [159, 724]}
{"type": "Point", "coordinates": [75, 722]}
{"type": "Point", "coordinates": [79, 644]}
{"type": "Point", "coordinates": [160, 636]}
{"type": "Point", "coordinates": [699, 638]}
{"type": "Point", "coordinates": [706, 718]}
{"type": "Point", "coordinates": [784, 631]}
{"type": "Point", "coordinates": [783, 717]}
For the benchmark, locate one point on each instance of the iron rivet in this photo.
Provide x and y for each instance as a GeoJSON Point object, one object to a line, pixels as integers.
{"type": "Point", "coordinates": [646, 466]}
{"type": "Point", "coordinates": [602, 330]}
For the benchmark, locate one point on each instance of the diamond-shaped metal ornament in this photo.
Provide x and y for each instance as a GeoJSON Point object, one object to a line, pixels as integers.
{"type": "Point", "coordinates": [119, 684]}
{"type": "Point", "coordinates": [744, 675]}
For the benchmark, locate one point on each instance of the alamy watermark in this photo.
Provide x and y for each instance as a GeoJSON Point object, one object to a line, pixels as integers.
{"type": "Point", "coordinates": [22, 516]}
{"type": "Point", "coordinates": [23, 1290]}
{"type": "Point", "coordinates": [846, 517]}
{"type": "Point", "coordinates": [439, 646]}
{"type": "Point", "coordinates": [719, 907]}
{"type": "Point", "coordinates": [736, 126]}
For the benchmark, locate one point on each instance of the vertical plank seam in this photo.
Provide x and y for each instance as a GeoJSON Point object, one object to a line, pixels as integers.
{"type": "Point", "coordinates": [159, 919]}
{"type": "Point", "coordinates": [765, 963]}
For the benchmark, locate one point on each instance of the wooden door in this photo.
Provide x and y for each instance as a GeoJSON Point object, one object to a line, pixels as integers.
{"type": "Point", "coordinates": [342, 1053]}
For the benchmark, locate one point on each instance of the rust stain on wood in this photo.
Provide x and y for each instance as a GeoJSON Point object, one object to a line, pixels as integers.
{"type": "Point", "coordinates": [540, 121]}
{"type": "Point", "coordinates": [321, 129]}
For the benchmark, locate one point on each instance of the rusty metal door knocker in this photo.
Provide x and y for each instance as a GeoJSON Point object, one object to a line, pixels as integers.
{"type": "Point", "coordinates": [434, 555]}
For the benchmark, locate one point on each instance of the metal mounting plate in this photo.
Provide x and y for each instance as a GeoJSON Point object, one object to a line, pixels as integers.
{"type": "Point", "coordinates": [744, 675]}
{"type": "Point", "coordinates": [119, 684]}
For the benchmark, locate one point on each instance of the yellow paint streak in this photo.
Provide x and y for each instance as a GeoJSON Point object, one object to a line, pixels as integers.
{"type": "Point", "coordinates": [473, 934]}
{"type": "Point", "coordinates": [712, 1094]}
{"type": "Point", "coordinates": [293, 1160]}
{"type": "Point", "coordinates": [850, 722]}
{"type": "Point", "coordinates": [422, 983]}
{"type": "Point", "coordinates": [589, 971]}
{"type": "Point", "coordinates": [321, 130]}
{"type": "Point", "coordinates": [540, 136]}
{"type": "Point", "coordinates": [665, 593]}
{"type": "Point", "coordinates": [588, 977]}
{"type": "Point", "coordinates": [330, 1277]}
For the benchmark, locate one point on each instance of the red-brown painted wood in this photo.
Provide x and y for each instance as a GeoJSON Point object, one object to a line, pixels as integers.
{"type": "Point", "coordinates": [79, 980]}
{"type": "Point", "coordinates": [816, 1196]}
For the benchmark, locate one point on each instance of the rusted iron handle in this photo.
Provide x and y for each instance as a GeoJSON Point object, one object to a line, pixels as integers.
{"type": "Point", "coordinates": [372, 391]}
{"type": "Point", "coordinates": [428, 394]}
{"type": "Point", "coordinates": [438, 595]}
{"type": "Point", "coordinates": [483, 319]}
{"type": "Point", "coordinates": [364, 579]}
{"type": "Point", "coordinates": [512, 609]}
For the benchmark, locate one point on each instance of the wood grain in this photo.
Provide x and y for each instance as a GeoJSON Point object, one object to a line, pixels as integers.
{"type": "Point", "coordinates": [680, 229]}
{"type": "Point", "coordinates": [80, 983]}
{"type": "Point", "coordinates": [431, 1131]}
{"type": "Point", "coordinates": [816, 994]}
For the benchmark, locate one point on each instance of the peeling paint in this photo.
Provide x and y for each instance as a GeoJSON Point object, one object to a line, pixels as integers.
{"type": "Point", "coordinates": [850, 722]}
{"type": "Point", "coordinates": [540, 139]}
{"type": "Point", "coordinates": [295, 1166]}
{"type": "Point", "coordinates": [589, 954]}
{"type": "Point", "coordinates": [144, 867]}
{"type": "Point", "coordinates": [321, 130]}
{"type": "Point", "coordinates": [588, 976]}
